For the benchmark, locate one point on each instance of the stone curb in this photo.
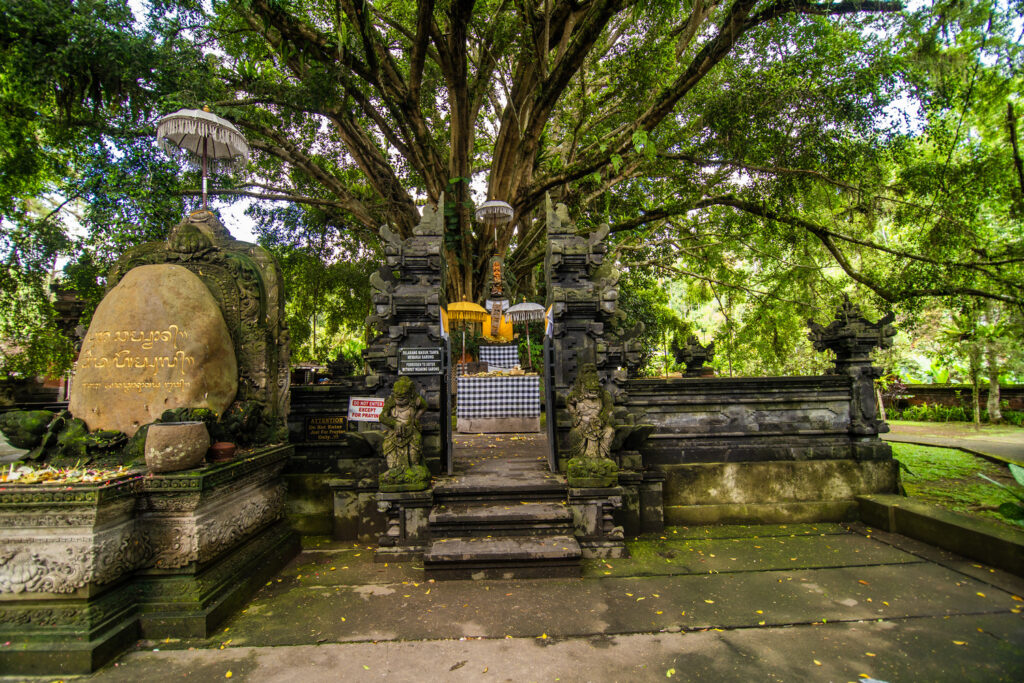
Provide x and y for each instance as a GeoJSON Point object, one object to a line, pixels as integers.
{"type": "Point", "coordinates": [940, 443]}
{"type": "Point", "coordinates": [981, 540]}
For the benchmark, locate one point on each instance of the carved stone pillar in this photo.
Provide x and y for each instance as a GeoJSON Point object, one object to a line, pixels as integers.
{"type": "Point", "coordinates": [852, 337]}
{"type": "Point", "coordinates": [408, 294]}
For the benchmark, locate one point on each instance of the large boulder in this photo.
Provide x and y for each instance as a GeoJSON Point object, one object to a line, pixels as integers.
{"type": "Point", "coordinates": [157, 341]}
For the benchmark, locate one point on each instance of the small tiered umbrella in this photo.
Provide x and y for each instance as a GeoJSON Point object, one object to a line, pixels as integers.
{"type": "Point", "coordinates": [201, 134]}
{"type": "Point", "coordinates": [526, 312]}
{"type": "Point", "coordinates": [466, 311]}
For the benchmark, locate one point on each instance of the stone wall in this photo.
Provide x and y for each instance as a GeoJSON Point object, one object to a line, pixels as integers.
{"type": "Point", "coordinates": [720, 419]}
{"type": "Point", "coordinates": [772, 449]}
{"type": "Point", "coordinates": [327, 459]}
{"type": "Point", "coordinates": [955, 395]}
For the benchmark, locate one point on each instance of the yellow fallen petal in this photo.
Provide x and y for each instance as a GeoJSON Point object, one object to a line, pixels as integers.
{"type": "Point", "coordinates": [959, 642]}
{"type": "Point", "coordinates": [870, 654]}
{"type": "Point", "coordinates": [227, 675]}
{"type": "Point", "coordinates": [710, 602]}
{"type": "Point", "coordinates": [817, 663]}
{"type": "Point", "coordinates": [980, 595]}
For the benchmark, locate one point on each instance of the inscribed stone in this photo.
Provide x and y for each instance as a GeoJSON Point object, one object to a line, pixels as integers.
{"type": "Point", "coordinates": [157, 341]}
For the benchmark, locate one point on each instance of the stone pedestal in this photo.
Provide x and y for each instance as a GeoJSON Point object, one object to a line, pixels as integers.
{"type": "Point", "coordinates": [407, 534]}
{"type": "Point", "coordinates": [85, 569]}
{"type": "Point", "coordinates": [356, 516]}
{"type": "Point", "coordinates": [218, 535]}
{"type": "Point", "coordinates": [66, 552]}
{"type": "Point", "coordinates": [652, 501]}
{"type": "Point", "coordinates": [593, 511]}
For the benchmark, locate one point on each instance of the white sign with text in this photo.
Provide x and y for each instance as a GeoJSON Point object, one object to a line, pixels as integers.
{"type": "Point", "coordinates": [365, 408]}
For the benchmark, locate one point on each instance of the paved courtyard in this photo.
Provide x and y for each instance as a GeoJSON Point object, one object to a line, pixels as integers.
{"type": "Point", "coordinates": [821, 602]}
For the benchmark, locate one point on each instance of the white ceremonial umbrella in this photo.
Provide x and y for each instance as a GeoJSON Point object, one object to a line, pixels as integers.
{"type": "Point", "coordinates": [526, 312]}
{"type": "Point", "coordinates": [201, 134]}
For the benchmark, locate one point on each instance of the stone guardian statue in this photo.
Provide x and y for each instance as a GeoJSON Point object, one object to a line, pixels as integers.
{"type": "Point", "coordinates": [403, 439]}
{"type": "Point", "coordinates": [592, 432]}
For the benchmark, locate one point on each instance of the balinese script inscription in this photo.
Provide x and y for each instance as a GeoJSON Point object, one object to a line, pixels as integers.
{"type": "Point", "coordinates": [157, 341]}
{"type": "Point", "coordinates": [130, 350]}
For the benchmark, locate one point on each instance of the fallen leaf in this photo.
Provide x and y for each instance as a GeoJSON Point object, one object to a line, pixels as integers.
{"type": "Point", "coordinates": [670, 673]}
{"type": "Point", "coordinates": [861, 581]}
{"type": "Point", "coordinates": [366, 667]}
{"type": "Point", "coordinates": [228, 675]}
{"type": "Point", "coordinates": [980, 595]}
{"type": "Point", "coordinates": [710, 602]}
{"type": "Point", "coordinates": [959, 642]}
{"type": "Point", "coordinates": [817, 663]}
{"type": "Point", "coordinates": [870, 654]}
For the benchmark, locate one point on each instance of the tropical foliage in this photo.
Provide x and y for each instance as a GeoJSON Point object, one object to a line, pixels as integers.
{"type": "Point", "coordinates": [765, 155]}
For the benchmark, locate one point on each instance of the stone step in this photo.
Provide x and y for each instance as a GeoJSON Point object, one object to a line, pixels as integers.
{"type": "Point", "coordinates": [503, 518]}
{"type": "Point", "coordinates": [503, 557]}
{"type": "Point", "coordinates": [458, 490]}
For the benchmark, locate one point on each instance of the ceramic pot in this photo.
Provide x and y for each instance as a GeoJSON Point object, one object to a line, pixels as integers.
{"type": "Point", "coordinates": [173, 446]}
{"type": "Point", "coordinates": [222, 451]}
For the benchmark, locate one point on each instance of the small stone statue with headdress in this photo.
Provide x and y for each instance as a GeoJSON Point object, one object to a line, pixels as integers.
{"type": "Point", "coordinates": [592, 432]}
{"type": "Point", "coordinates": [403, 439]}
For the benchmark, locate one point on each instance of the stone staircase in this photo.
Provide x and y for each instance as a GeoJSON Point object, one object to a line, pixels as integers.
{"type": "Point", "coordinates": [501, 516]}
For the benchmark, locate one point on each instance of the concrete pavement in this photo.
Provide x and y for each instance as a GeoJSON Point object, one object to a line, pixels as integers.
{"type": "Point", "coordinates": [794, 602]}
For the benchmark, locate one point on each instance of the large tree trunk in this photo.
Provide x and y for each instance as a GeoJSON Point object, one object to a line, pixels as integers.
{"type": "Point", "coordinates": [974, 370]}
{"type": "Point", "coordinates": [995, 415]}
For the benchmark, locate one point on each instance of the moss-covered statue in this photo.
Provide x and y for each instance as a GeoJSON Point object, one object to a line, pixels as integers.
{"type": "Point", "coordinates": [403, 439]}
{"type": "Point", "coordinates": [592, 432]}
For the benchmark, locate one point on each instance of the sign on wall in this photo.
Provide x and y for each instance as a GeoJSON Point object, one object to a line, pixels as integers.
{"type": "Point", "coordinates": [422, 360]}
{"type": "Point", "coordinates": [364, 408]}
{"type": "Point", "coordinates": [326, 427]}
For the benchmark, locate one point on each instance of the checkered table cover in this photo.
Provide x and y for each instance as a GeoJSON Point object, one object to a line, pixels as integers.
{"type": "Point", "coordinates": [516, 396]}
{"type": "Point", "coordinates": [500, 357]}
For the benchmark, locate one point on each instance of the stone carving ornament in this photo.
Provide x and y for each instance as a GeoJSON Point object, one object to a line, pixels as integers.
{"type": "Point", "coordinates": [852, 337]}
{"type": "Point", "coordinates": [246, 282]}
{"type": "Point", "coordinates": [65, 565]}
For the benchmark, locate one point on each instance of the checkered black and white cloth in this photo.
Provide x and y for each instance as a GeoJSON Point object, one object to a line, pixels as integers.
{"type": "Point", "coordinates": [500, 357]}
{"type": "Point", "coordinates": [517, 396]}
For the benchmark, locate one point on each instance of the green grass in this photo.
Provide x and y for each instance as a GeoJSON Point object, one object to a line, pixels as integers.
{"type": "Point", "coordinates": [950, 478]}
